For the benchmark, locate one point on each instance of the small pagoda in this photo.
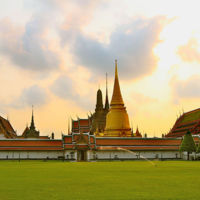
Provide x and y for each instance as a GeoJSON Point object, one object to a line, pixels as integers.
{"type": "Point", "coordinates": [31, 132]}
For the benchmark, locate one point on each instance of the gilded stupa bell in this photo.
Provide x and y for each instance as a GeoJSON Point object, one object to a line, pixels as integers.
{"type": "Point", "coordinates": [117, 121]}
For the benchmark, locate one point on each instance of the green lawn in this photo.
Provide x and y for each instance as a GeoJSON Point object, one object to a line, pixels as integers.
{"type": "Point", "coordinates": [99, 180]}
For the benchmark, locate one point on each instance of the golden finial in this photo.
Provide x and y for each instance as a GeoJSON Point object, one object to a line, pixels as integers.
{"type": "Point", "coordinates": [116, 71]}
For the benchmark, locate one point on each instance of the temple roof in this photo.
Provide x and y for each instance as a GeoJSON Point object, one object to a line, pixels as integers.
{"type": "Point", "coordinates": [81, 125]}
{"type": "Point", "coordinates": [99, 104]}
{"type": "Point", "coordinates": [189, 121]}
{"type": "Point", "coordinates": [191, 116]}
{"type": "Point", "coordinates": [21, 144]}
{"type": "Point", "coordinates": [138, 141]}
{"type": "Point", "coordinates": [8, 129]}
{"type": "Point", "coordinates": [25, 131]}
{"type": "Point", "coordinates": [137, 133]}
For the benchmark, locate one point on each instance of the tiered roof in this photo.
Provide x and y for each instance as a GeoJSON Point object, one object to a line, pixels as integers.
{"type": "Point", "coordinates": [6, 128]}
{"type": "Point", "coordinates": [189, 121]}
{"type": "Point", "coordinates": [86, 141]}
{"type": "Point", "coordinates": [81, 126]}
{"type": "Point", "coordinates": [137, 133]}
{"type": "Point", "coordinates": [30, 145]}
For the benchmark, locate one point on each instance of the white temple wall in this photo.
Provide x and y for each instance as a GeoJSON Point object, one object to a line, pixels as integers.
{"type": "Point", "coordinates": [91, 155]}
{"type": "Point", "coordinates": [114, 155]}
{"type": "Point", "coordinates": [30, 154]}
{"type": "Point", "coordinates": [192, 156]}
{"type": "Point", "coordinates": [70, 154]}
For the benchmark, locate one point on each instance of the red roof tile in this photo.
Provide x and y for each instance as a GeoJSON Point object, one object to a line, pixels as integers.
{"type": "Point", "coordinates": [10, 133]}
{"type": "Point", "coordinates": [138, 142]}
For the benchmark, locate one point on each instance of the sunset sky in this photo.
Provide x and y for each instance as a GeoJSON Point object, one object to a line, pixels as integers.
{"type": "Point", "coordinates": [54, 54]}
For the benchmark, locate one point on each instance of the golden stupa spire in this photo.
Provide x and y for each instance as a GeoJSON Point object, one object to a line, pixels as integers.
{"type": "Point", "coordinates": [117, 97]}
{"type": "Point", "coordinates": [117, 121]}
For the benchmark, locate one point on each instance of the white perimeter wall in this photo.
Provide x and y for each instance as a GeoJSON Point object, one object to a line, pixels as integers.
{"type": "Point", "coordinates": [91, 155]}
{"type": "Point", "coordinates": [133, 155]}
{"type": "Point", "coordinates": [30, 154]}
{"type": "Point", "coordinates": [70, 154]}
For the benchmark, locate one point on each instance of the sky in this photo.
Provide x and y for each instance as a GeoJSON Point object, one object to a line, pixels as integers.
{"type": "Point", "coordinates": [54, 54]}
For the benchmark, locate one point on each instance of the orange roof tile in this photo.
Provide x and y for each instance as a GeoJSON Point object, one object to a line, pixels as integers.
{"type": "Point", "coordinates": [10, 133]}
{"type": "Point", "coordinates": [30, 143]}
{"type": "Point", "coordinates": [138, 142]}
{"type": "Point", "coordinates": [140, 148]}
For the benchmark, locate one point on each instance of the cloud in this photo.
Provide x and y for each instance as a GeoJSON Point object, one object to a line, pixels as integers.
{"type": "Point", "coordinates": [33, 95]}
{"type": "Point", "coordinates": [187, 89]}
{"type": "Point", "coordinates": [132, 44]}
{"type": "Point", "coordinates": [64, 88]}
{"type": "Point", "coordinates": [189, 52]}
{"type": "Point", "coordinates": [27, 47]}
{"type": "Point", "coordinates": [30, 46]}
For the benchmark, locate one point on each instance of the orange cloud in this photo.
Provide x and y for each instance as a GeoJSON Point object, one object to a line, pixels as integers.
{"type": "Point", "coordinates": [189, 52]}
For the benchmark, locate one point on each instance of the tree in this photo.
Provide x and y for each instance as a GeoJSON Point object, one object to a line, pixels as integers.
{"type": "Point", "coordinates": [188, 144]}
{"type": "Point", "coordinates": [198, 148]}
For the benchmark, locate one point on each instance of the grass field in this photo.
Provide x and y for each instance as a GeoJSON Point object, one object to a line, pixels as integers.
{"type": "Point", "coordinates": [99, 180]}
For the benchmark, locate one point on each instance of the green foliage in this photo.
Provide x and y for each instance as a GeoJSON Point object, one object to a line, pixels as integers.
{"type": "Point", "coordinates": [127, 180]}
{"type": "Point", "coordinates": [198, 148]}
{"type": "Point", "coordinates": [188, 143]}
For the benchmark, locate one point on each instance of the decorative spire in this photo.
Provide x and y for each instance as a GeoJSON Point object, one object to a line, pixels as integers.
{"type": "Point", "coordinates": [99, 105]}
{"type": "Point", "coordinates": [68, 126]}
{"type": "Point", "coordinates": [137, 133]}
{"type": "Point", "coordinates": [32, 121]}
{"type": "Point", "coordinates": [107, 101]}
{"type": "Point", "coordinates": [117, 97]}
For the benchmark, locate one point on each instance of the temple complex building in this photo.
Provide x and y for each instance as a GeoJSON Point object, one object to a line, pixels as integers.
{"type": "Point", "coordinates": [117, 120]}
{"type": "Point", "coordinates": [189, 121]}
{"type": "Point", "coordinates": [99, 116]}
{"type": "Point", "coordinates": [6, 129]}
{"type": "Point", "coordinates": [105, 135]}
{"type": "Point", "coordinates": [137, 133]}
{"type": "Point", "coordinates": [96, 122]}
{"type": "Point", "coordinates": [31, 132]}
{"type": "Point", "coordinates": [81, 125]}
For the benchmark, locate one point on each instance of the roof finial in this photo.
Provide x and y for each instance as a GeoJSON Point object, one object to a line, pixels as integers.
{"type": "Point", "coordinates": [8, 118]}
{"type": "Point", "coordinates": [68, 126]}
{"type": "Point", "coordinates": [183, 110]}
{"type": "Point", "coordinates": [116, 72]}
{"type": "Point", "coordinates": [106, 80]}
{"type": "Point", "coordinates": [107, 101]}
{"type": "Point", "coordinates": [32, 120]}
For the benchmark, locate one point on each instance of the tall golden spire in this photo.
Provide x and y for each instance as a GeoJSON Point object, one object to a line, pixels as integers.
{"type": "Point", "coordinates": [117, 97]}
{"type": "Point", "coordinates": [117, 121]}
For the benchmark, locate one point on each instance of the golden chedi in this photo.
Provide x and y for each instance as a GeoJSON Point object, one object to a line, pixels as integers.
{"type": "Point", "coordinates": [117, 121]}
